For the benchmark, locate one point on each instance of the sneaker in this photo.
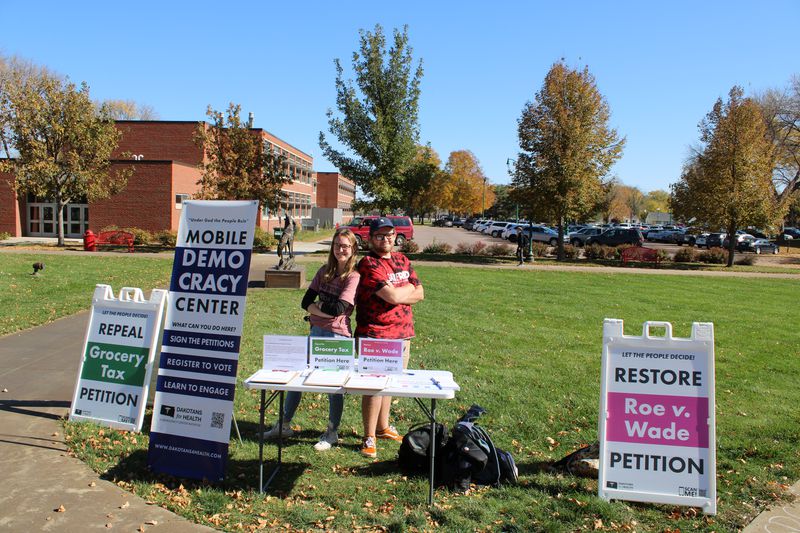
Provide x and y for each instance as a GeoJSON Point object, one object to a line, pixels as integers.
{"type": "Point", "coordinates": [368, 448]}
{"type": "Point", "coordinates": [327, 440]}
{"type": "Point", "coordinates": [390, 433]}
{"type": "Point", "coordinates": [272, 433]}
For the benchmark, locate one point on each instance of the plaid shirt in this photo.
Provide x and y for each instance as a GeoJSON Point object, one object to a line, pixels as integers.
{"type": "Point", "coordinates": [375, 317]}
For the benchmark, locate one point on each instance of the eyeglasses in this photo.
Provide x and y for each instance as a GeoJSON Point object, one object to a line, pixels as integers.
{"type": "Point", "coordinates": [342, 246]}
{"type": "Point", "coordinates": [383, 236]}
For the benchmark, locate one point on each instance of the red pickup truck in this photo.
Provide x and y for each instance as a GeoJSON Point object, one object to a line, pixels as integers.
{"type": "Point", "coordinates": [402, 226]}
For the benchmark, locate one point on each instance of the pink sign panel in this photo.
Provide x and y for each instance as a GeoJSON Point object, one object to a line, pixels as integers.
{"type": "Point", "coordinates": [657, 419]}
{"type": "Point", "coordinates": [380, 348]}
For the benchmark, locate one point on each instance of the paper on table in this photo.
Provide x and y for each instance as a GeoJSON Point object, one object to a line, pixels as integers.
{"type": "Point", "coordinates": [274, 376]}
{"type": "Point", "coordinates": [367, 382]}
{"type": "Point", "coordinates": [327, 377]}
{"type": "Point", "coordinates": [285, 352]}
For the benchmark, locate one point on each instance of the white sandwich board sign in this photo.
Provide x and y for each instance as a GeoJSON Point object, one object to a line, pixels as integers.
{"type": "Point", "coordinates": [657, 423]}
{"type": "Point", "coordinates": [118, 354]}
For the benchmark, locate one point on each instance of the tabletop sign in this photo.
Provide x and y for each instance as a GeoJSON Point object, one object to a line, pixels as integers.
{"type": "Point", "coordinates": [118, 354]}
{"type": "Point", "coordinates": [196, 382]}
{"type": "Point", "coordinates": [657, 423]}
{"type": "Point", "coordinates": [325, 352]}
{"type": "Point", "coordinates": [380, 355]}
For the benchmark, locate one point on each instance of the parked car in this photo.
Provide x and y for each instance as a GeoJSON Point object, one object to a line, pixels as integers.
{"type": "Point", "coordinates": [509, 230]}
{"type": "Point", "coordinates": [790, 233]}
{"type": "Point", "coordinates": [740, 236]}
{"type": "Point", "coordinates": [617, 236]}
{"type": "Point", "coordinates": [715, 240]}
{"type": "Point", "coordinates": [665, 235]}
{"type": "Point", "coordinates": [482, 225]}
{"type": "Point", "coordinates": [458, 222]}
{"type": "Point", "coordinates": [700, 240]}
{"type": "Point", "coordinates": [540, 233]}
{"type": "Point", "coordinates": [496, 228]}
{"type": "Point", "coordinates": [759, 246]}
{"type": "Point", "coordinates": [469, 223]}
{"type": "Point", "coordinates": [578, 238]}
{"type": "Point", "coordinates": [403, 226]}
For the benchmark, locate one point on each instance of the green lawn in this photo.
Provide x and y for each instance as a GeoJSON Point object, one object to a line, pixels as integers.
{"type": "Point", "coordinates": [526, 346]}
{"type": "Point", "coordinates": [66, 284]}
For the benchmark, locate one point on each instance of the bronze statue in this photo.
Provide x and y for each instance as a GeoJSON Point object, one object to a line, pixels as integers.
{"type": "Point", "coordinates": [287, 241]}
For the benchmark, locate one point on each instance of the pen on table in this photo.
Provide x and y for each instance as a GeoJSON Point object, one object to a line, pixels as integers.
{"type": "Point", "coordinates": [438, 385]}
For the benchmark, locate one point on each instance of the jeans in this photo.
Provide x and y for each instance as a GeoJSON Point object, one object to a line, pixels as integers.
{"type": "Point", "coordinates": [335, 401]}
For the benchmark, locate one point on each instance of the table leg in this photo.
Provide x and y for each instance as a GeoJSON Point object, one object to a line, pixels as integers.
{"type": "Point", "coordinates": [261, 410]}
{"type": "Point", "coordinates": [432, 451]}
{"type": "Point", "coordinates": [262, 486]}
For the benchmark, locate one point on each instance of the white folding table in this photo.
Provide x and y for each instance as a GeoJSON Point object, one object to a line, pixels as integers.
{"type": "Point", "coordinates": [437, 391]}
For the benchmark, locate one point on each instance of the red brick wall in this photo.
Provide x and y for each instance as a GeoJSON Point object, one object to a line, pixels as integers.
{"type": "Point", "coordinates": [147, 201]}
{"type": "Point", "coordinates": [10, 214]}
{"type": "Point", "coordinates": [159, 140]}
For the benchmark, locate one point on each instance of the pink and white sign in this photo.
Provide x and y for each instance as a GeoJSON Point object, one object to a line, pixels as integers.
{"type": "Point", "coordinates": [657, 429]}
{"type": "Point", "coordinates": [380, 355]}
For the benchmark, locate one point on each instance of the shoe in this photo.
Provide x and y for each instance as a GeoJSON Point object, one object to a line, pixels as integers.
{"type": "Point", "coordinates": [368, 448]}
{"type": "Point", "coordinates": [327, 440]}
{"type": "Point", "coordinates": [390, 433]}
{"type": "Point", "coordinates": [272, 433]}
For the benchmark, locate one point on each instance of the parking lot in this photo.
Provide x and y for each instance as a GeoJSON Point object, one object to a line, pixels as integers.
{"type": "Point", "coordinates": [425, 235]}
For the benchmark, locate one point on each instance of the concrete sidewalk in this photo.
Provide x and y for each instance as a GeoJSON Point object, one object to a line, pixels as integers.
{"type": "Point", "coordinates": [38, 371]}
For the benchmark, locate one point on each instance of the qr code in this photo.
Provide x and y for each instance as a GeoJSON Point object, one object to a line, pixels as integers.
{"type": "Point", "coordinates": [217, 419]}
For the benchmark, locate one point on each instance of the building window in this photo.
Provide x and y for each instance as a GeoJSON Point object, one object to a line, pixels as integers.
{"type": "Point", "coordinates": [179, 199]}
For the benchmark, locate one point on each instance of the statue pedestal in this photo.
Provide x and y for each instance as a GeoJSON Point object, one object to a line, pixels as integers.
{"type": "Point", "coordinates": [286, 279]}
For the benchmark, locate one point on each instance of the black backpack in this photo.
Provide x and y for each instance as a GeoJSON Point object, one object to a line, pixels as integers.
{"type": "Point", "coordinates": [413, 455]}
{"type": "Point", "coordinates": [475, 458]}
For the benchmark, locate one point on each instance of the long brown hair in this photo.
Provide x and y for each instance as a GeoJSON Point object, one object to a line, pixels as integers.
{"type": "Point", "coordinates": [333, 264]}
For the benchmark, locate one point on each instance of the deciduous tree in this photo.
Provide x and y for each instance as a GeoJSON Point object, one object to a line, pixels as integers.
{"type": "Point", "coordinates": [781, 110]}
{"type": "Point", "coordinates": [63, 144]}
{"type": "Point", "coordinates": [657, 200]}
{"type": "Point", "coordinates": [129, 110]}
{"type": "Point", "coordinates": [420, 174]}
{"type": "Point", "coordinates": [470, 191]}
{"type": "Point", "coordinates": [378, 124]}
{"type": "Point", "coordinates": [728, 182]}
{"type": "Point", "coordinates": [567, 149]}
{"type": "Point", "coordinates": [238, 165]}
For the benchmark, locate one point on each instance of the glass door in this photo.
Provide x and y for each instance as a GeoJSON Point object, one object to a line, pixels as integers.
{"type": "Point", "coordinates": [41, 219]}
{"type": "Point", "coordinates": [76, 220]}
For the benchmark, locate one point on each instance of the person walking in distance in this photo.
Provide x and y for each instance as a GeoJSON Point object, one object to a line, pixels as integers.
{"type": "Point", "coordinates": [388, 288]}
{"type": "Point", "coordinates": [329, 301]}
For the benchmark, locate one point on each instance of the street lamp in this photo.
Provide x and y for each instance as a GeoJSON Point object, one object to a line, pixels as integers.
{"type": "Point", "coordinates": [483, 204]}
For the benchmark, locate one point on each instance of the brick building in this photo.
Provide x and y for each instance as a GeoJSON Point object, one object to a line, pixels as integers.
{"type": "Point", "coordinates": [336, 191]}
{"type": "Point", "coordinates": [165, 163]}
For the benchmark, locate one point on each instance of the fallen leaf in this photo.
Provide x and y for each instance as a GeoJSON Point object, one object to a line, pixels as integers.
{"type": "Point", "coordinates": [92, 484]}
{"type": "Point", "coordinates": [54, 434]}
{"type": "Point", "coordinates": [125, 505]}
{"type": "Point", "coordinates": [152, 522]}
{"type": "Point", "coordinates": [109, 526]}
{"type": "Point", "coordinates": [60, 509]}
{"type": "Point", "coordinates": [598, 524]}
{"type": "Point", "coordinates": [5, 390]}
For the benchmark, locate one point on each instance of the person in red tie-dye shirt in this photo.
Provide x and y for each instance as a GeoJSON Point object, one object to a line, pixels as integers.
{"type": "Point", "coordinates": [387, 290]}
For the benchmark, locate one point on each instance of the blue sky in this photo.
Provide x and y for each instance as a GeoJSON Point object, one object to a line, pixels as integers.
{"type": "Point", "coordinates": [661, 66]}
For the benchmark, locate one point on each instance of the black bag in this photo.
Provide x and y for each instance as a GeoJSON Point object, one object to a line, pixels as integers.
{"type": "Point", "coordinates": [413, 455]}
{"type": "Point", "coordinates": [475, 459]}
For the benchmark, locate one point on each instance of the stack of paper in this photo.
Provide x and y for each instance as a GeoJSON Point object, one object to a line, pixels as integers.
{"type": "Point", "coordinates": [360, 381]}
{"type": "Point", "coordinates": [274, 376]}
{"type": "Point", "coordinates": [327, 377]}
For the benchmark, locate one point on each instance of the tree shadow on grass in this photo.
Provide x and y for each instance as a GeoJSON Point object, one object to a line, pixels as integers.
{"type": "Point", "coordinates": [240, 475]}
